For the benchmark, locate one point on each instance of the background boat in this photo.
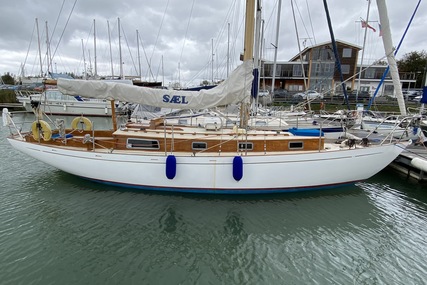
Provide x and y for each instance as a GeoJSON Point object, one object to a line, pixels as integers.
{"type": "Point", "coordinates": [53, 102]}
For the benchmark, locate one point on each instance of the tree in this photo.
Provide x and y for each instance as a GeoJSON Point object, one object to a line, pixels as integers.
{"type": "Point", "coordinates": [7, 79]}
{"type": "Point", "coordinates": [380, 62]}
{"type": "Point", "coordinates": [416, 62]}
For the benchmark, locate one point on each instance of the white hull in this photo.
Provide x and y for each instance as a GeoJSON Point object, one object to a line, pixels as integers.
{"type": "Point", "coordinates": [71, 107]}
{"type": "Point", "coordinates": [213, 173]}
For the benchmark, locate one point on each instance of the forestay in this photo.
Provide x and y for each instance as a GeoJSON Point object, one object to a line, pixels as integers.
{"type": "Point", "coordinates": [233, 90]}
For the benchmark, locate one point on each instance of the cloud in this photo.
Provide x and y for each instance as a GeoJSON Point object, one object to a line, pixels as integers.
{"type": "Point", "coordinates": [179, 41]}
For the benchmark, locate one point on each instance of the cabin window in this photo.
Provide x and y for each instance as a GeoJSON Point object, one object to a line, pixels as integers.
{"type": "Point", "coordinates": [246, 146]}
{"type": "Point", "coordinates": [199, 145]}
{"type": "Point", "coordinates": [142, 144]}
{"type": "Point", "coordinates": [346, 52]}
{"type": "Point", "coordinates": [296, 145]}
{"type": "Point", "coordinates": [182, 121]}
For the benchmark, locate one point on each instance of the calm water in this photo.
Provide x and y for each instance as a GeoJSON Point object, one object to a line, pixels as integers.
{"type": "Point", "coordinates": [59, 229]}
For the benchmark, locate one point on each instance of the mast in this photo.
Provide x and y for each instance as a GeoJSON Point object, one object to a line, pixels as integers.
{"type": "Point", "coordinates": [139, 57]}
{"type": "Point", "coordinates": [395, 52]}
{"type": "Point", "coordinates": [255, 83]}
{"type": "Point", "coordinates": [94, 48]}
{"type": "Point", "coordinates": [49, 66]}
{"type": "Point", "coordinates": [300, 55]}
{"type": "Point", "coordinates": [90, 63]}
{"type": "Point", "coordinates": [111, 53]}
{"type": "Point", "coordinates": [84, 61]}
{"type": "Point", "coordinates": [248, 50]}
{"type": "Point", "coordinates": [163, 73]}
{"type": "Point", "coordinates": [228, 49]}
{"type": "Point", "coordinates": [120, 50]}
{"type": "Point", "coordinates": [388, 47]}
{"type": "Point", "coordinates": [337, 58]}
{"type": "Point", "coordinates": [363, 51]}
{"type": "Point", "coordinates": [276, 44]}
{"type": "Point", "coordinates": [261, 54]}
{"type": "Point", "coordinates": [212, 67]}
{"type": "Point", "coordinates": [40, 51]}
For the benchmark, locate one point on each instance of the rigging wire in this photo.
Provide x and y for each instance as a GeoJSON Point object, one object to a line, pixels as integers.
{"type": "Point", "coordinates": [186, 31]}
{"type": "Point", "coordinates": [160, 28]}
{"type": "Point", "coordinates": [63, 31]}
{"type": "Point", "coordinates": [304, 25]}
{"type": "Point", "coordinates": [238, 28]}
{"type": "Point", "coordinates": [146, 58]}
{"type": "Point", "coordinates": [266, 27]}
{"type": "Point", "coordinates": [29, 47]}
{"type": "Point", "coordinates": [57, 19]}
{"type": "Point", "coordinates": [311, 22]}
{"type": "Point", "coordinates": [158, 70]}
{"type": "Point", "coordinates": [130, 53]}
{"type": "Point", "coordinates": [185, 38]}
{"type": "Point", "coordinates": [221, 61]}
{"type": "Point", "coordinates": [84, 47]}
{"type": "Point", "coordinates": [219, 46]}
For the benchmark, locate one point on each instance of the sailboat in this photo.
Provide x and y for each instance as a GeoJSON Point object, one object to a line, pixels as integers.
{"type": "Point", "coordinates": [53, 102]}
{"type": "Point", "coordinates": [384, 124]}
{"type": "Point", "coordinates": [206, 159]}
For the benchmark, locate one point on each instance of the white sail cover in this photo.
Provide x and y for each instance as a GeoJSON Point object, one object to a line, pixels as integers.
{"type": "Point", "coordinates": [236, 88]}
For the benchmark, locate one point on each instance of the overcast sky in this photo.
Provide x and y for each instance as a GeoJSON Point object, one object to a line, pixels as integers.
{"type": "Point", "coordinates": [177, 37]}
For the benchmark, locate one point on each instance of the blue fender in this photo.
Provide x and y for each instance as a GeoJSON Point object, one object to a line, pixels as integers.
{"type": "Point", "coordinates": [237, 168]}
{"type": "Point", "coordinates": [171, 166]}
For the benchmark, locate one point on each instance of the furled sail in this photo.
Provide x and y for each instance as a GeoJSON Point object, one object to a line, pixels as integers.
{"type": "Point", "coordinates": [236, 88]}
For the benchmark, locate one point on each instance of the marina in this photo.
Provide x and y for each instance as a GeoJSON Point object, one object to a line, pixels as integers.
{"type": "Point", "coordinates": [270, 172]}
